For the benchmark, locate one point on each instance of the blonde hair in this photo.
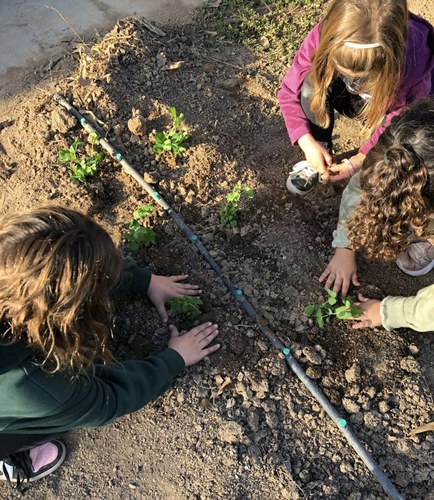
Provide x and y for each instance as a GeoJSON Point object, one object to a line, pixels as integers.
{"type": "Point", "coordinates": [382, 24]}
{"type": "Point", "coordinates": [56, 269]}
{"type": "Point", "coordinates": [397, 181]}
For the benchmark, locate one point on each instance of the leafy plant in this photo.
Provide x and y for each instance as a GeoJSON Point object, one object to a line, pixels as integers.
{"type": "Point", "coordinates": [81, 166]}
{"type": "Point", "coordinates": [173, 139]}
{"type": "Point", "coordinates": [138, 234]}
{"type": "Point", "coordinates": [324, 311]}
{"type": "Point", "coordinates": [186, 306]}
{"type": "Point", "coordinates": [231, 207]}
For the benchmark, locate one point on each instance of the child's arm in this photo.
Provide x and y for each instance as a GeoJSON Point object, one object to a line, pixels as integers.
{"type": "Point", "coordinates": [116, 389]}
{"type": "Point", "coordinates": [289, 93]}
{"type": "Point", "coordinates": [342, 269]}
{"type": "Point", "coordinates": [416, 312]}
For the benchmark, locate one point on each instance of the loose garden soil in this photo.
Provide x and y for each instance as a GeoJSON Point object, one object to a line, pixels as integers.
{"type": "Point", "coordinates": [238, 425]}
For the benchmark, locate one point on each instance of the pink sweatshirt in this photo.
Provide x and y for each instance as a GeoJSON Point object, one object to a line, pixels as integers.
{"type": "Point", "coordinates": [417, 80]}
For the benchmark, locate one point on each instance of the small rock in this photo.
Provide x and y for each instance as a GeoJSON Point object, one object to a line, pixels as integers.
{"type": "Point", "coordinates": [312, 356]}
{"type": "Point", "coordinates": [272, 420]}
{"type": "Point", "coordinates": [350, 406]}
{"type": "Point", "coordinates": [149, 178]}
{"type": "Point", "coordinates": [409, 364]}
{"type": "Point", "coordinates": [230, 432]}
{"type": "Point", "coordinates": [244, 231]}
{"type": "Point", "coordinates": [413, 349]}
{"type": "Point", "coordinates": [314, 372]}
{"type": "Point", "coordinates": [259, 385]}
{"type": "Point", "coordinates": [372, 419]}
{"type": "Point", "coordinates": [230, 403]}
{"type": "Point", "coordinates": [230, 83]}
{"type": "Point", "coordinates": [253, 420]}
{"type": "Point", "coordinates": [263, 40]}
{"type": "Point", "coordinates": [262, 345]}
{"type": "Point", "coordinates": [137, 125]}
{"type": "Point", "coordinates": [208, 67]}
{"type": "Point", "coordinates": [383, 407]}
{"type": "Point", "coordinates": [353, 374]}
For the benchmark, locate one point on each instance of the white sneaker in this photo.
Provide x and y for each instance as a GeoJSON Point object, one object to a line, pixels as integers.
{"type": "Point", "coordinates": [302, 178]}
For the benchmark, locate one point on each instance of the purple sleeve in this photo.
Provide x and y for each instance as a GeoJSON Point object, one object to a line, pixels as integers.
{"type": "Point", "coordinates": [289, 93]}
{"type": "Point", "coordinates": [416, 83]}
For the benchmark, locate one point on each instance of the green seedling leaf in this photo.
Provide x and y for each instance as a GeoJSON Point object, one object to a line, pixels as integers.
{"type": "Point", "coordinates": [310, 309]}
{"type": "Point", "coordinates": [230, 208]}
{"type": "Point", "coordinates": [319, 318]}
{"type": "Point", "coordinates": [330, 307]}
{"type": "Point", "coordinates": [80, 165]}
{"type": "Point", "coordinates": [331, 293]}
{"type": "Point", "coordinates": [142, 212]}
{"type": "Point", "coordinates": [186, 306]}
{"type": "Point", "coordinates": [172, 140]}
{"type": "Point", "coordinates": [139, 235]}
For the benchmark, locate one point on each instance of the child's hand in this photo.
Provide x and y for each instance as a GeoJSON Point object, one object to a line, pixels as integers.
{"type": "Point", "coordinates": [343, 170]}
{"type": "Point", "coordinates": [162, 288]}
{"type": "Point", "coordinates": [341, 270]}
{"type": "Point", "coordinates": [371, 316]}
{"type": "Point", "coordinates": [193, 345]}
{"type": "Point", "coordinates": [316, 155]}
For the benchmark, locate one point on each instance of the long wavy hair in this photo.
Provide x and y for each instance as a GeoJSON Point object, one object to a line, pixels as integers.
{"type": "Point", "coordinates": [397, 182]}
{"type": "Point", "coordinates": [56, 269]}
{"type": "Point", "coordinates": [378, 69]}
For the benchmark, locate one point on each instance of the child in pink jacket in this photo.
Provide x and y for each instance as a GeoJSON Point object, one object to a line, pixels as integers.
{"type": "Point", "coordinates": [366, 59]}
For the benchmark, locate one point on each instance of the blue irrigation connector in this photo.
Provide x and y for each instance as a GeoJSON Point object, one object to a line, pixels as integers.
{"type": "Point", "coordinates": [239, 292]}
{"type": "Point", "coordinates": [342, 423]}
{"type": "Point", "coordinates": [83, 121]}
{"type": "Point", "coordinates": [118, 157]}
{"type": "Point", "coordinates": [155, 195]}
{"type": "Point", "coordinates": [286, 351]}
{"type": "Point", "coordinates": [194, 237]}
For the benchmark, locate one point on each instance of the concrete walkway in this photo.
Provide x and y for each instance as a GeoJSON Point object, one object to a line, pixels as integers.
{"type": "Point", "coordinates": [30, 32]}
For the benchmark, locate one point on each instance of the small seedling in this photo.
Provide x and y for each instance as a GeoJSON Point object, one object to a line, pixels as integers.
{"type": "Point", "coordinates": [186, 306]}
{"type": "Point", "coordinates": [81, 166]}
{"type": "Point", "coordinates": [138, 234]}
{"type": "Point", "coordinates": [230, 208]}
{"type": "Point", "coordinates": [323, 312]}
{"type": "Point", "coordinates": [173, 139]}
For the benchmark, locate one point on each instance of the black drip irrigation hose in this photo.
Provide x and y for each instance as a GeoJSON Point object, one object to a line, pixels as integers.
{"type": "Point", "coordinates": [238, 294]}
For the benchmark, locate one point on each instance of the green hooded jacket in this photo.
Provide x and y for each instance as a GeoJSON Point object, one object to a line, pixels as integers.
{"type": "Point", "coordinates": [33, 401]}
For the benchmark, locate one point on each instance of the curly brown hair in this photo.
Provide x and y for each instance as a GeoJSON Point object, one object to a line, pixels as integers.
{"type": "Point", "coordinates": [397, 182]}
{"type": "Point", "coordinates": [56, 269]}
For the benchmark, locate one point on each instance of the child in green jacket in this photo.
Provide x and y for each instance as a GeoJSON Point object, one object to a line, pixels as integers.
{"type": "Point", "coordinates": [387, 213]}
{"type": "Point", "coordinates": [58, 271]}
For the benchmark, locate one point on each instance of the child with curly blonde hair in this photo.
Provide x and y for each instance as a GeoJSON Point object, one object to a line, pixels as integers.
{"type": "Point", "coordinates": [58, 272]}
{"type": "Point", "coordinates": [366, 59]}
{"type": "Point", "coordinates": [387, 213]}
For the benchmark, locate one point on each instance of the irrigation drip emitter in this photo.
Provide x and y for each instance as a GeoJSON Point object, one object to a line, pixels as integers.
{"type": "Point", "coordinates": [259, 319]}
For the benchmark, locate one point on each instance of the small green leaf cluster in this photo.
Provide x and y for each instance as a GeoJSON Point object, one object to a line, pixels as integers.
{"type": "Point", "coordinates": [81, 166]}
{"type": "Point", "coordinates": [231, 207]}
{"type": "Point", "coordinates": [186, 306]}
{"type": "Point", "coordinates": [137, 234]}
{"type": "Point", "coordinates": [323, 312]}
{"type": "Point", "coordinates": [173, 139]}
